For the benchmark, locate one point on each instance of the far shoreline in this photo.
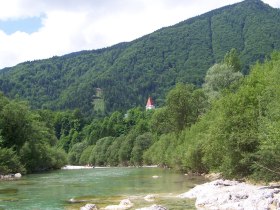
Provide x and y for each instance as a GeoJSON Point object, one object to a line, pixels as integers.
{"type": "Point", "coordinates": [74, 167]}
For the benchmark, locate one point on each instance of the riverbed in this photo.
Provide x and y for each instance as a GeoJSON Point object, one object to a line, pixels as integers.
{"type": "Point", "coordinates": [102, 186]}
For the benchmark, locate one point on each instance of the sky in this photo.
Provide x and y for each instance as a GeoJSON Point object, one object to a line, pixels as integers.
{"type": "Point", "coordinates": [38, 29]}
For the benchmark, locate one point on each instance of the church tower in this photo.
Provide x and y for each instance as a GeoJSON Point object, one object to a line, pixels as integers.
{"type": "Point", "coordinates": [150, 104]}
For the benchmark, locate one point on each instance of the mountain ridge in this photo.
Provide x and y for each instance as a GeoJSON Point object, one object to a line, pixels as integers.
{"type": "Point", "coordinates": [131, 71]}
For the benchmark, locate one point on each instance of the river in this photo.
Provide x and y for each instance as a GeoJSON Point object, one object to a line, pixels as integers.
{"type": "Point", "coordinates": [102, 186]}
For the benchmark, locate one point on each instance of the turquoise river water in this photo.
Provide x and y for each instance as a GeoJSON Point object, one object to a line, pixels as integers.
{"type": "Point", "coordinates": [101, 186]}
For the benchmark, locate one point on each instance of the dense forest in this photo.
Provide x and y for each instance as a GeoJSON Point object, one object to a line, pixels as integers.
{"type": "Point", "coordinates": [217, 102]}
{"type": "Point", "coordinates": [128, 73]}
{"type": "Point", "coordinates": [229, 125]}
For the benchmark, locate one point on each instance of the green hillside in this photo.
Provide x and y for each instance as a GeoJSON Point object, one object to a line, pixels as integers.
{"type": "Point", "coordinates": [128, 73]}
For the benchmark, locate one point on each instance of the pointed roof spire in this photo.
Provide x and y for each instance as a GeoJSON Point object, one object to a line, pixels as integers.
{"type": "Point", "coordinates": [150, 104]}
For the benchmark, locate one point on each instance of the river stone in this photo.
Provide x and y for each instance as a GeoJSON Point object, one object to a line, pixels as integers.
{"type": "Point", "coordinates": [124, 204]}
{"type": "Point", "coordinates": [225, 194]}
{"type": "Point", "coordinates": [10, 176]}
{"type": "Point", "coordinates": [18, 175]}
{"type": "Point", "coordinates": [89, 206]}
{"type": "Point", "coordinates": [154, 207]}
{"type": "Point", "coordinates": [7, 177]}
{"type": "Point", "coordinates": [150, 197]}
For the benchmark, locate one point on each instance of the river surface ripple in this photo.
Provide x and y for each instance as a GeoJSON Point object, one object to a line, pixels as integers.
{"type": "Point", "coordinates": [102, 186]}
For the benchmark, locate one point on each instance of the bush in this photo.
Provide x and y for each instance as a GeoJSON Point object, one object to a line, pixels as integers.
{"type": "Point", "coordinates": [10, 162]}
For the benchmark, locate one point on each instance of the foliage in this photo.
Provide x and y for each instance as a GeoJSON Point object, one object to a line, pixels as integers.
{"type": "Point", "coordinates": [266, 165]}
{"type": "Point", "coordinates": [230, 125]}
{"type": "Point", "coordinates": [184, 106]}
{"type": "Point", "coordinates": [100, 151]}
{"type": "Point", "coordinates": [218, 78]}
{"type": "Point", "coordinates": [126, 148]}
{"type": "Point", "coordinates": [85, 156]}
{"type": "Point", "coordinates": [75, 153]}
{"type": "Point", "coordinates": [242, 139]}
{"type": "Point", "coordinates": [128, 73]}
{"type": "Point", "coordinates": [28, 142]}
{"type": "Point", "coordinates": [158, 153]}
{"type": "Point", "coordinates": [141, 144]}
{"type": "Point", "coordinates": [10, 162]}
{"type": "Point", "coordinates": [232, 59]}
{"type": "Point", "coordinates": [238, 135]}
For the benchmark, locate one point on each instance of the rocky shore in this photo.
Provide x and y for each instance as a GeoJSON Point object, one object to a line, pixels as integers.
{"type": "Point", "coordinates": [233, 195]}
{"type": "Point", "coordinates": [71, 167]}
{"type": "Point", "coordinates": [10, 176]}
{"type": "Point", "coordinates": [219, 194]}
{"type": "Point", "coordinates": [124, 205]}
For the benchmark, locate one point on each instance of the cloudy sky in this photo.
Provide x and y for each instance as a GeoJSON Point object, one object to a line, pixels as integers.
{"type": "Point", "coordinates": [36, 29]}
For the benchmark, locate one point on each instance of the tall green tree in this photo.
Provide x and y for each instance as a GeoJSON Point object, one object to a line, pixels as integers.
{"type": "Point", "coordinates": [218, 78]}
{"type": "Point", "coordinates": [141, 144]}
{"type": "Point", "coordinates": [16, 124]}
{"type": "Point", "coordinates": [184, 105]}
{"type": "Point", "coordinates": [10, 162]}
{"type": "Point", "coordinates": [232, 59]}
{"type": "Point", "coordinates": [30, 137]}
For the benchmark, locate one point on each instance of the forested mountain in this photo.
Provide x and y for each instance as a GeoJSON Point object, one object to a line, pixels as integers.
{"type": "Point", "coordinates": [128, 73]}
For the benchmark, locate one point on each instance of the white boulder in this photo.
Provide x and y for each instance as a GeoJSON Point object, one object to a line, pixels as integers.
{"type": "Point", "coordinates": [89, 206]}
{"type": "Point", "coordinates": [18, 175]}
{"type": "Point", "coordinates": [153, 207]}
{"type": "Point", "coordinates": [150, 197]}
{"type": "Point", "coordinates": [225, 194]}
{"type": "Point", "coordinates": [124, 204]}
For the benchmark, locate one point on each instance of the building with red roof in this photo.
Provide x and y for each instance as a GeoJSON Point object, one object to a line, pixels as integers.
{"type": "Point", "coordinates": [150, 104]}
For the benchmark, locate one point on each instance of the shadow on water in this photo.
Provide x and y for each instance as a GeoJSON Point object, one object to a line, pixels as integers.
{"type": "Point", "coordinates": [9, 195]}
{"type": "Point", "coordinates": [8, 191]}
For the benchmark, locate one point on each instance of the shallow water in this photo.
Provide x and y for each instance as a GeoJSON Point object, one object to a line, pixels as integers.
{"type": "Point", "coordinates": [102, 186]}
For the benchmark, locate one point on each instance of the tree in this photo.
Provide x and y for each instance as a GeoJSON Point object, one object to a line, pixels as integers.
{"type": "Point", "coordinates": [266, 165]}
{"type": "Point", "coordinates": [161, 121]}
{"type": "Point", "coordinates": [30, 135]}
{"type": "Point", "coordinates": [16, 124]}
{"type": "Point", "coordinates": [85, 156]}
{"type": "Point", "coordinates": [99, 153]}
{"type": "Point", "coordinates": [218, 78]}
{"type": "Point", "coordinates": [181, 106]}
{"type": "Point", "coordinates": [10, 162]}
{"type": "Point", "coordinates": [126, 148]}
{"type": "Point", "coordinates": [75, 153]}
{"type": "Point", "coordinates": [141, 144]}
{"type": "Point", "coordinates": [232, 59]}
{"type": "Point", "coordinates": [116, 125]}
{"type": "Point", "coordinates": [113, 151]}
{"type": "Point", "coordinates": [160, 153]}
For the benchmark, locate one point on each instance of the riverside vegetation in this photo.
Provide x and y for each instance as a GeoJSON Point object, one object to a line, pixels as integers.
{"type": "Point", "coordinates": [216, 116]}
{"type": "Point", "coordinates": [230, 125]}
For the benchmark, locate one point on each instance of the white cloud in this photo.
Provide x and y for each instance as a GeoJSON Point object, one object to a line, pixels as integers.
{"type": "Point", "coordinates": [273, 3]}
{"type": "Point", "coordinates": [71, 25]}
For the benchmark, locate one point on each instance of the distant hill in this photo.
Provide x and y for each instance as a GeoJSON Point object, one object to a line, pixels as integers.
{"type": "Point", "coordinates": [128, 73]}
